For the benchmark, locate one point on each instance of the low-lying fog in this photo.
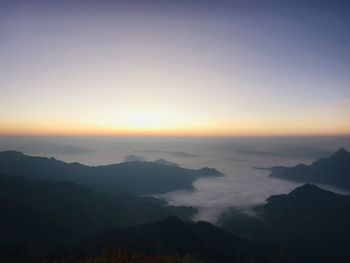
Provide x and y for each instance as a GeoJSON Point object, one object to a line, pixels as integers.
{"type": "Point", "coordinates": [242, 187]}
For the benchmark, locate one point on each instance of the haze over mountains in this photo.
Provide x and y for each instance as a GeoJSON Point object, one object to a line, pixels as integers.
{"type": "Point", "coordinates": [242, 186]}
{"type": "Point", "coordinates": [50, 212]}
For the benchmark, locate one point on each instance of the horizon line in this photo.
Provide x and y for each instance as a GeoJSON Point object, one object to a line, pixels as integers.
{"type": "Point", "coordinates": [149, 135]}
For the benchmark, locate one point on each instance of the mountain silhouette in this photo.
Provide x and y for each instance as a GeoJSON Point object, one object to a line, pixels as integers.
{"type": "Point", "coordinates": [334, 170]}
{"type": "Point", "coordinates": [307, 225]}
{"type": "Point", "coordinates": [131, 177]}
{"type": "Point", "coordinates": [46, 220]}
{"type": "Point", "coordinates": [39, 215]}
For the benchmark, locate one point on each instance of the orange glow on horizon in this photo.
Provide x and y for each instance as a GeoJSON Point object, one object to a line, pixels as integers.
{"type": "Point", "coordinates": [217, 130]}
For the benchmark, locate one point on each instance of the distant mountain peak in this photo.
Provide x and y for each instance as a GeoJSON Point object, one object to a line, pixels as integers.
{"type": "Point", "coordinates": [333, 170]}
{"type": "Point", "coordinates": [341, 152]}
{"type": "Point", "coordinates": [341, 155]}
{"type": "Point", "coordinates": [307, 192]}
{"type": "Point", "coordinates": [306, 188]}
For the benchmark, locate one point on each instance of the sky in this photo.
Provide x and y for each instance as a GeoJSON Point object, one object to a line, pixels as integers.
{"type": "Point", "coordinates": [192, 68]}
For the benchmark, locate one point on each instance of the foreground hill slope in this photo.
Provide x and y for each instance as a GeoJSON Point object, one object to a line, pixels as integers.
{"type": "Point", "coordinates": [131, 177]}
{"type": "Point", "coordinates": [172, 236]}
{"type": "Point", "coordinates": [38, 216]}
{"type": "Point", "coordinates": [128, 256]}
{"type": "Point", "coordinates": [46, 220]}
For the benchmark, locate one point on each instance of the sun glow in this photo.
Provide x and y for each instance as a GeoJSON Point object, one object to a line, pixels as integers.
{"type": "Point", "coordinates": [146, 120]}
{"type": "Point", "coordinates": [128, 75]}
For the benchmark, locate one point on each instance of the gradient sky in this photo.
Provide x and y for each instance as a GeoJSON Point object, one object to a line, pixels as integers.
{"type": "Point", "coordinates": [175, 67]}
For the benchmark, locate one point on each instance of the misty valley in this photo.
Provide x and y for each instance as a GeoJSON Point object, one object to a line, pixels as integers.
{"type": "Point", "coordinates": [161, 205]}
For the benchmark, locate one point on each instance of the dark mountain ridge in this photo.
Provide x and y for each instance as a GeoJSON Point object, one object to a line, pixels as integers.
{"type": "Point", "coordinates": [46, 220]}
{"type": "Point", "coordinates": [334, 170]}
{"type": "Point", "coordinates": [131, 177]}
{"type": "Point", "coordinates": [307, 225]}
{"type": "Point", "coordinates": [41, 215]}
